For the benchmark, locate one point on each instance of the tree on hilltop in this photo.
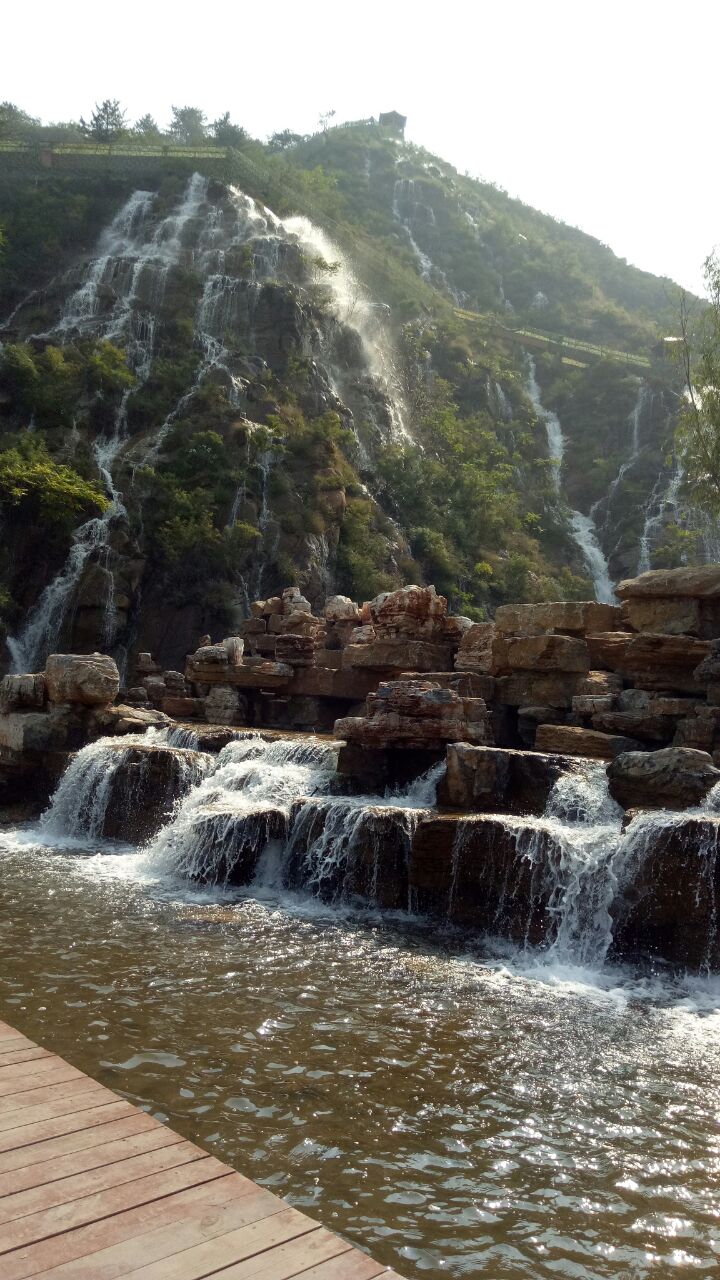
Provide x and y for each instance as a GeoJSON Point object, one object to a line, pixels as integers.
{"type": "Point", "coordinates": [226, 133]}
{"type": "Point", "coordinates": [14, 122]}
{"type": "Point", "coordinates": [147, 127]}
{"type": "Point", "coordinates": [106, 123]}
{"type": "Point", "coordinates": [188, 126]}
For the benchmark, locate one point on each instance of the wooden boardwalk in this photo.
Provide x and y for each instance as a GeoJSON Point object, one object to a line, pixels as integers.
{"type": "Point", "coordinates": [92, 1187]}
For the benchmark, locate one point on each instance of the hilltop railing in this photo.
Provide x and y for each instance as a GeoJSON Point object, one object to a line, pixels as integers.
{"type": "Point", "coordinates": [560, 342]}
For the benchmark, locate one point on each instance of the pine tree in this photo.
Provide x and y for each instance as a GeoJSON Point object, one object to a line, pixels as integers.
{"type": "Point", "coordinates": [106, 123]}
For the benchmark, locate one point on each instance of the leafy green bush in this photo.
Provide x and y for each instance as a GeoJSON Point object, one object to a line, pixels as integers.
{"type": "Point", "coordinates": [35, 488]}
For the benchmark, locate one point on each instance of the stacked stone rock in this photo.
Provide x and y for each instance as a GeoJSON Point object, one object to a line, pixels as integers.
{"type": "Point", "coordinates": [47, 715]}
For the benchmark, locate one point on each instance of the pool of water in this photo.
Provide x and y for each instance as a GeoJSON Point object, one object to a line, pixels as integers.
{"type": "Point", "coordinates": [452, 1112]}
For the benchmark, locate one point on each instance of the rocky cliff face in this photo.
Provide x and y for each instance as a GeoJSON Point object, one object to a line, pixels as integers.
{"type": "Point", "coordinates": [214, 399]}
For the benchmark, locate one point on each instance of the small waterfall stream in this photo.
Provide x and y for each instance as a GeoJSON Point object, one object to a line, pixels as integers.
{"type": "Point", "coordinates": [583, 527]}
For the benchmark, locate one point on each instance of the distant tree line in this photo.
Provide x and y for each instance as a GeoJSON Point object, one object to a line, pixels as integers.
{"type": "Point", "coordinates": [108, 122]}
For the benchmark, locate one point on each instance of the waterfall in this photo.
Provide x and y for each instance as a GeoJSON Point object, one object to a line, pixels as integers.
{"type": "Point", "coordinates": [583, 529]}
{"type": "Point", "coordinates": [403, 193]}
{"type": "Point", "coordinates": [121, 773]}
{"type": "Point", "coordinates": [577, 886]}
{"type": "Point", "coordinates": [126, 258]}
{"type": "Point", "coordinates": [663, 504]}
{"type": "Point", "coordinates": [354, 309]}
{"type": "Point", "coordinates": [250, 790]}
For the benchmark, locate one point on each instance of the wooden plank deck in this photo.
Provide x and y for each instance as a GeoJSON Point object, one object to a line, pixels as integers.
{"type": "Point", "coordinates": [91, 1188]}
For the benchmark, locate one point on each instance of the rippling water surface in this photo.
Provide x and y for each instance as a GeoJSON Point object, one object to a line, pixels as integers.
{"type": "Point", "coordinates": [453, 1115]}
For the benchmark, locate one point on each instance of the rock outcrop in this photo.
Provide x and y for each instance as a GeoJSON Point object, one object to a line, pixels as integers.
{"type": "Point", "coordinates": [89, 679]}
{"type": "Point", "coordinates": [417, 713]}
{"type": "Point", "coordinates": [672, 778]}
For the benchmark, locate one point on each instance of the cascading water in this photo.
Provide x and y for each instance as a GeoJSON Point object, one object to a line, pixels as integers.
{"type": "Point", "coordinates": [120, 773]}
{"type": "Point", "coordinates": [123, 287]}
{"type": "Point", "coordinates": [571, 889]}
{"type": "Point", "coordinates": [131, 261]}
{"type": "Point", "coordinates": [582, 526]}
{"type": "Point", "coordinates": [662, 507]}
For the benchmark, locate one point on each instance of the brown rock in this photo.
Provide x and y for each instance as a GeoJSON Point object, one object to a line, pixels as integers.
{"type": "Point", "coordinates": [669, 908]}
{"type": "Point", "coordinates": [272, 606]}
{"type": "Point", "coordinates": [293, 601]}
{"type": "Point", "coordinates": [417, 713]}
{"type": "Point", "coordinates": [22, 693]}
{"type": "Point", "coordinates": [498, 780]}
{"type": "Point", "coordinates": [590, 704]}
{"type": "Point", "coordinates": [701, 584]}
{"type": "Point", "coordinates": [600, 683]}
{"type": "Point", "coordinates": [568, 616]}
{"type": "Point", "coordinates": [636, 724]}
{"type": "Point", "coordinates": [412, 611]}
{"type": "Point", "coordinates": [296, 650]}
{"type": "Point", "coordinates": [526, 688]}
{"type": "Point", "coordinates": [143, 786]}
{"type": "Point", "coordinates": [182, 708]}
{"type": "Point", "coordinates": [539, 653]}
{"type": "Point", "coordinates": [362, 635]}
{"type": "Point", "coordinates": [342, 609]}
{"type": "Point", "coordinates": [650, 661]}
{"type": "Point", "coordinates": [674, 777]}
{"type": "Point", "coordinates": [475, 648]}
{"type": "Point", "coordinates": [472, 871]}
{"type": "Point", "coordinates": [565, 739]}
{"type": "Point", "coordinates": [89, 679]}
{"type": "Point", "coordinates": [399, 654]}
{"type": "Point", "coordinates": [675, 616]}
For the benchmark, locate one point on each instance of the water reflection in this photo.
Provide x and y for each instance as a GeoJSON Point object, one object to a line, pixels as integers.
{"type": "Point", "coordinates": [451, 1116]}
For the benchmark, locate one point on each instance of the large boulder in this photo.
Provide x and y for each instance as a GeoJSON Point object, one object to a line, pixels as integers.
{"type": "Point", "coordinates": [674, 601]}
{"type": "Point", "coordinates": [499, 780]}
{"type": "Point", "coordinates": [475, 648]}
{"type": "Point", "coordinates": [572, 740]}
{"type": "Point", "coordinates": [672, 778]}
{"type": "Point", "coordinates": [342, 609]}
{"type": "Point", "coordinates": [539, 653]}
{"type": "Point", "coordinates": [651, 660]}
{"type": "Point", "coordinates": [668, 908]}
{"type": "Point", "coordinates": [696, 584]}
{"type": "Point", "coordinates": [399, 653]}
{"type": "Point", "coordinates": [417, 713]}
{"type": "Point", "coordinates": [90, 679]}
{"type": "Point", "coordinates": [143, 786]}
{"type": "Point", "coordinates": [412, 611]}
{"type": "Point", "coordinates": [571, 617]}
{"type": "Point", "coordinates": [22, 693]}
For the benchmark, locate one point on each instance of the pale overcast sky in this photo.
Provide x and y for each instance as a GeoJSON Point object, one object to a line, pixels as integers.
{"type": "Point", "coordinates": [601, 112]}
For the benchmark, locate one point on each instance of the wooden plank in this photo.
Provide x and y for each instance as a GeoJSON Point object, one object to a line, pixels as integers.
{"type": "Point", "coordinates": [91, 1188]}
{"type": "Point", "coordinates": [68, 1093]}
{"type": "Point", "coordinates": [23, 1055]}
{"type": "Point", "coordinates": [10, 1037]}
{"type": "Point", "coordinates": [294, 1258]}
{"type": "Point", "coordinates": [66, 1217]}
{"type": "Point", "coordinates": [35, 1259]}
{"type": "Point", "coordinates": [19, 1078]}
{"type": "Point", "coordinates": [348, 1266]}
{"type": "Point", "coordinates": [202, 1223]}
{"type": "Point", "coordinates": [37, 1065]}
{"type": "Point", "coordinates": [58, 1168]}
{"type": "Point", "coordinates": [66, 1190]}
{"type": "Point", "coordinates": [48, 1152]}
{"type": "Point", "coordinates": [234, 1246]}
{"type": "Point", "coordinates": [78, 1119]}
